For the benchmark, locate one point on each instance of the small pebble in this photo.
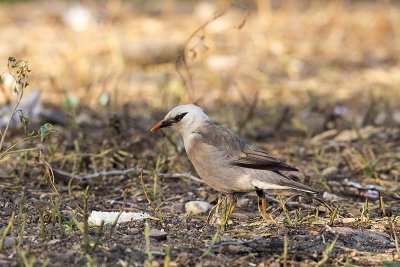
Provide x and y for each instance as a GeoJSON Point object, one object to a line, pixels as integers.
{"type": "Point", "coordinates": [158, 234]}
{"type": "Point", "coordinates": [331, 197]}
{"type": "Point", "coordinates": [197, 207]}
{"type": "Point", "coordinates": [9, 242]}
{"type": "Point", "coordinates": [243, 202]}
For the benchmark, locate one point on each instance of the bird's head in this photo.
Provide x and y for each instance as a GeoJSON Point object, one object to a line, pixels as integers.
{"type": "Point", "coordinates": [182, 117]}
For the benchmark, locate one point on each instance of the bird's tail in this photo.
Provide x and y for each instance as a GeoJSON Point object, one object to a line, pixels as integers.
{"type": "Point", "coordinates": [299, 186]}
{"type": "Point", "coordinates": [323, 203]}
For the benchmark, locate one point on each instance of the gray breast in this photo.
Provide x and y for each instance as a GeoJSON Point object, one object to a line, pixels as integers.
{"type": "Point", "coordinates": [215, 167]}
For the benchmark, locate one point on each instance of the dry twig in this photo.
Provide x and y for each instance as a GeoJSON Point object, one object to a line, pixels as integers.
{"type": "Point", "coordinates": [125, 172]}
{"type": "Point", "coordinates": [182, 61]}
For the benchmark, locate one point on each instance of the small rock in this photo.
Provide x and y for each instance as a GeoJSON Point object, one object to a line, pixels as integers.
{"type": "Point", "coordinates": [243, 202]}
{"type": "Point", "coordinates": [30, 106]}
{"type": "Point", "coordinates": [197, 207]}
{"type": "Point", "coordinates": [109, 217]}
{"type": "Point", "coordinates": [158, 234]}
{"type": "Point", "coordinates": [370, 194]}
{"type": "Point", "coordinates": [330, 171]}
{"type": "Point", "coordinates": [9, 242]}
{"type": "Point", "coordinates": [331, 197]}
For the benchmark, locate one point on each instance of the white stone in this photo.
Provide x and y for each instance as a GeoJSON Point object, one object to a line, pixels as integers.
{"type": "Point", "coordinates": [96, 217]}
{"type": "Point", "coordinates": [197, 207]}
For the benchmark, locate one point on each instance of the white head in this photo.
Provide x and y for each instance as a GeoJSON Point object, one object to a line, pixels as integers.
{"type": "Point", "coordinates": [183, 118]}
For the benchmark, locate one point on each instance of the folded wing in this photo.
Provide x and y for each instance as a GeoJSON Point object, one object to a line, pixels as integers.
{"type": "Point", "coordinates": [255, 158]}
{"type": "Point", "coordinates": [240, 153]}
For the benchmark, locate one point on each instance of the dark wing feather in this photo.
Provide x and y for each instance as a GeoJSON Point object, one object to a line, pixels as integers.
{"type": "Point", "coordinates": [242, 154]}
{"type": "Point", "coordinates": [240, 151]}
{"type": "Point", "coordinates": [289, 182]}
{"type": "Point", "coordinates": [255, 158]}
{"type": "Point", "coordinates": [223, 139]}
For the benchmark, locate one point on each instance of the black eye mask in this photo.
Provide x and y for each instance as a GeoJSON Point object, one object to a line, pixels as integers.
{"type": "Point", "coordinates": [179, 117]}
{"type": "Point", "coordinates": [172, 121]}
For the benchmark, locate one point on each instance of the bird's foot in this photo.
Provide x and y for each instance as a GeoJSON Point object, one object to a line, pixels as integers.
{"type": "Point", "coordinates": [214, 211]}
{"type": "Point", "coordinates": [214, 217]}
{"type": "Point", "coordinates": [224, 212]}
{"type": "Point", "coordinates": [267, 218]}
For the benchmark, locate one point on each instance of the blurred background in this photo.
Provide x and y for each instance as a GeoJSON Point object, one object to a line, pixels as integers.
{"type": "Point", "coordinates": [306, 66]}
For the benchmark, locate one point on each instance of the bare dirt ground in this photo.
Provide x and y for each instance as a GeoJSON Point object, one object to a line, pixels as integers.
{"type": "Point", "coordinates": [316, 84]}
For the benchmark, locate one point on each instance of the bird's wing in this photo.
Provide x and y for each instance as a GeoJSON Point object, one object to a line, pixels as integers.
{"type": "Point", "coordinates": [234, 148]}
{"type": "Point", "coordinates": [222, 139]}
{"type": "Point", "coordinates": [256, 158]}
{"type": "Point", "coordinates": [242, 153]}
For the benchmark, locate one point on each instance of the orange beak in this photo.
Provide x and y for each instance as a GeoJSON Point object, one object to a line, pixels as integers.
{"type": "Point", "coordinates": [157, 126]}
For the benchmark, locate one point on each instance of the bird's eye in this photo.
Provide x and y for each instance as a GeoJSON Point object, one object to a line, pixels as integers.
{"type": "Point", "coordinates": [179, 117]}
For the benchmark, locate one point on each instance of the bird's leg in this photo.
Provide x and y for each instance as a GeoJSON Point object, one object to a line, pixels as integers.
{"type": "Point", "coordinates": [214, 209]}
{"type": "Point", "coordinates": [232, 205]}
{"type": "Point", "coordinates": [261, 195]}
{"type": "Point", "coordinates": [224, 212]}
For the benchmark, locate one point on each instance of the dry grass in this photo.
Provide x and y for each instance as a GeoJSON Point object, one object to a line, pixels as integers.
{"type": "Point", "coordinates": [287, 54]}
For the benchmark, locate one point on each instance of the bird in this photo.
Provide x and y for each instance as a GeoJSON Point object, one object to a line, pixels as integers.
{"type": "Point", "coordinates": [226, 161]}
